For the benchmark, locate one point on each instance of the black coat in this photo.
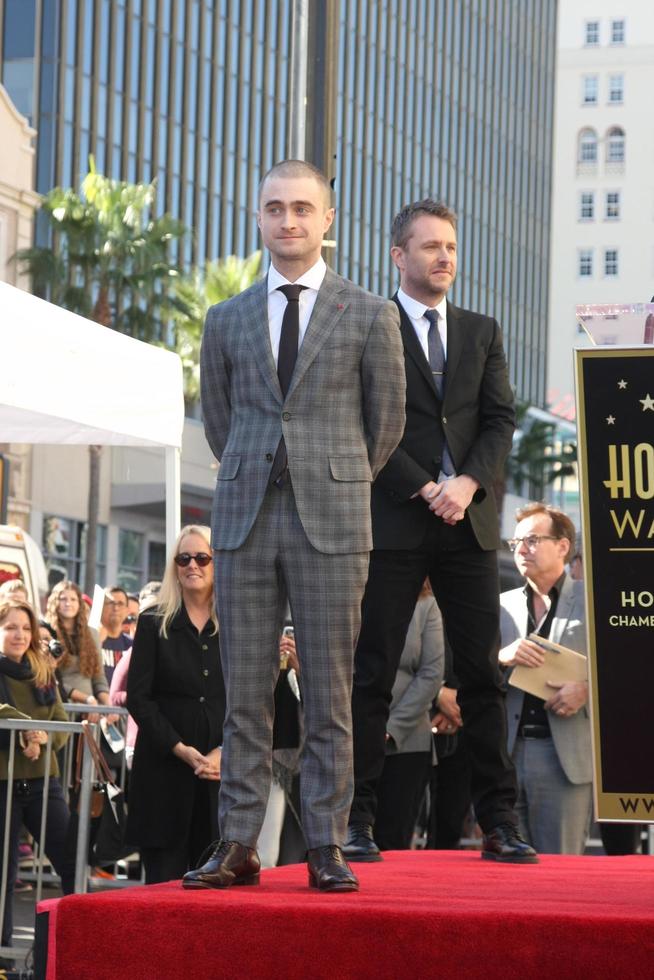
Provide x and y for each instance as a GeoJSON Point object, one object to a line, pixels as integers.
{"type": "Point", "coordinates": [478, 414]}
{"type": "Point", "coordinates": [175, 693]}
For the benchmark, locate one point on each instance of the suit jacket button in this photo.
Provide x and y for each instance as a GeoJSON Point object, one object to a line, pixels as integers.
{"type": "Point", "coordinates": [286, 416]}
{"type": "Point", "coordinates": [444, 421]}
{"type": "Point", "coordinates": [202, 700]}
{"type": "Point", "coordinates": [269, 457]}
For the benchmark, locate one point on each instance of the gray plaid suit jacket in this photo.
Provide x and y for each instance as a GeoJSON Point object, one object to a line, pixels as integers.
{"type": "Point", "coordinates": [343, 415]}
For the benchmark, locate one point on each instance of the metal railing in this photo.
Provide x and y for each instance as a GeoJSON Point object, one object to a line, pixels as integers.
{"type": "Point", "coordinates": [68, 778]}
{"type": "Point", "coordinates": [70, 727]}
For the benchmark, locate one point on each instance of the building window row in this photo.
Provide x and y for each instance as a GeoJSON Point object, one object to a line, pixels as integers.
{"type": "Point", "coordinates": [586, 263]}
{"type": "Point", "coordinates": [587, 210]}
{"type": "Point", "coordinates": [588, 145]}
{"type": "Point", "coordinates": [593, 32]}
{"type": "Point", "coordinates": [590, 89]}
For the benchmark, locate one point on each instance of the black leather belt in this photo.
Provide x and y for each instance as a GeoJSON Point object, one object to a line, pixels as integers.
{"type": "Point", "coordinates": [535, 731]}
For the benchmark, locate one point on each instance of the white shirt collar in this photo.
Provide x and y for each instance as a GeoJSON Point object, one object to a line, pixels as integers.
{"type": "Point", "coordinates": [312, 278]}
{"type": "Point", "coordinates": [416, 309]}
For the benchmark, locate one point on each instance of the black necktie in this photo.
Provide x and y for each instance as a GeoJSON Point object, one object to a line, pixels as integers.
{"type": "Point", "coordinates": [286, 358]}
{"type": "Point", "coordinates": [437, 365]}
{"type": "Point", "coordinates": [288, 341]}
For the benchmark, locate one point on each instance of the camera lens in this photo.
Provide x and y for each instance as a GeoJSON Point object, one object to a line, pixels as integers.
{"type": "Point", "coordinates": [55, 649]}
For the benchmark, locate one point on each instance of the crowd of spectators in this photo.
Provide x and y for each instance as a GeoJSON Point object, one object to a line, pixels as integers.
{"type": "Point", "coordinates": [158, 655]}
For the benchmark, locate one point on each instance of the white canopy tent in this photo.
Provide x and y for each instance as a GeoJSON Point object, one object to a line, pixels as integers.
{"type": "Point", "coordinates": [59, 385]}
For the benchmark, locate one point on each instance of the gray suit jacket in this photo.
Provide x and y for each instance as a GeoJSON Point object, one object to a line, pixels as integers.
{"type": "Point", "coordinates": [418, 681]}
{"type": "Point", "coordinates": [571, 736]}
{"type": "Point", "coordinates": [342, 417]}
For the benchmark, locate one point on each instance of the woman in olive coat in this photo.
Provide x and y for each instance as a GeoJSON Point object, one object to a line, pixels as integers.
{"type": "Point", "coordinates": [176, 695]}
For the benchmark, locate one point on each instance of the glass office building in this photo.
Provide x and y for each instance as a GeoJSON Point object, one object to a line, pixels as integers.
{"type": "Point", "coordinates": [449, 98]}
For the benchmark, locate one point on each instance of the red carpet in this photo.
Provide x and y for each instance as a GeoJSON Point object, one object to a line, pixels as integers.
{"type": "Point", "coordinates": [418, 915]}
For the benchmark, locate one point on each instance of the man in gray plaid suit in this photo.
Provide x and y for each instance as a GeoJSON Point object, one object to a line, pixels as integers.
{"type": "Point", "coordinates": [299, 442]}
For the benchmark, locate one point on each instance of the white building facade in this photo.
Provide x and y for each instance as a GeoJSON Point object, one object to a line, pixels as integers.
{"type": "Point", "coordinates": [603, 193]}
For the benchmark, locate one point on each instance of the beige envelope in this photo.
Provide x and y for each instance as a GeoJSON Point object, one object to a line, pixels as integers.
{"type": "Point", "coordinates": [561, 666]}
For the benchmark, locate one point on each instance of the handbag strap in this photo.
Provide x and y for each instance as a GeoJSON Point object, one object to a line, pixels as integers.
{"type": "Point", "coordinates": [101, 767]}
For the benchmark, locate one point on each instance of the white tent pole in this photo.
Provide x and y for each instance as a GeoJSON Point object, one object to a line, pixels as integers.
{"type": "Point", "coordinates": [173, 496]}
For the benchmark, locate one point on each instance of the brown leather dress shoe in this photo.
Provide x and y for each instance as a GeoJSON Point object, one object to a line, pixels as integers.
{"type": "Point", "coordinates": [329, 871]}
{"type": "Point", "coordinates": [229, 863]}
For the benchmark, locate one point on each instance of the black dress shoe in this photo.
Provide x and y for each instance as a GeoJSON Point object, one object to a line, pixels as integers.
{"type": "Point", "coordinates": [360, 844]}
{"type": "Point", "coordinates": [329, 871]}
{"type": "Point", "coordinates": [504, 843]}
{"type": "Point", "coordinates": [229, 864]}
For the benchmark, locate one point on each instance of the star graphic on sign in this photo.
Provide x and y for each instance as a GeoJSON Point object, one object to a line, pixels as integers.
{"type": "Point", "coordinates": [610, 420]}
{"type": "Point", "coordinates": [647, 402]}
{"type": "Point", "coordinates": [622, 383]}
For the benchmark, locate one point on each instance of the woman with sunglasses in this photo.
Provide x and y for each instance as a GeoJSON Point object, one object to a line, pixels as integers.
{"type": "Point", "coordinates": [176, 695]}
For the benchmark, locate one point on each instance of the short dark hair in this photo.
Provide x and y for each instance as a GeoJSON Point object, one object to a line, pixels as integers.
{"type": "Point", "coordinates": [562, 526]}
{"type": "Point", "coordinates": [298, 168]}
{"type": "Point", "coordinates": [401, 227]}
{"type": "Point", "coordinates": [116, 588]}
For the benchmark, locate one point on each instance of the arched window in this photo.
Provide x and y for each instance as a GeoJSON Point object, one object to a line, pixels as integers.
{"type": "Point", "coordinates": [615, 145]}
{"type": "Point", "coordinates": [587, 152]}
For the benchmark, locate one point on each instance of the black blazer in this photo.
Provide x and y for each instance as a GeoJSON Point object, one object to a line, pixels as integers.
{"type": "Point", "coordinates": [478, 415]}
{"type": "Point", "coordinates": [175, 692]}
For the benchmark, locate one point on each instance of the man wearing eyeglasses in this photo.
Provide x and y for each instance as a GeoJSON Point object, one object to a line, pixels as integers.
{"type": "Point", "coordinates": [115, 641]}
{"type": "Point", "coordinates": [549, 740]}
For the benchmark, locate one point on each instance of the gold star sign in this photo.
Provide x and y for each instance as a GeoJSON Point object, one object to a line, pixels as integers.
{"type": "Point", "coordinates": [647, 402]}
{"type": "Point", "coordinates": [610, 420]}
{"type": "Point", "coordinates": [622, 383]}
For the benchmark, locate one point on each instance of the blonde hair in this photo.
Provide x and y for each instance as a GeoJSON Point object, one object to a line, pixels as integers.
{"type": "Point", "coordinates": [42, 672]}
{"type": "Point", "coordinates": [169, 601]}
{"type": "Point", "coordinates": [9, 588]}
{"type": "Point", "coordinates": [79, 641]}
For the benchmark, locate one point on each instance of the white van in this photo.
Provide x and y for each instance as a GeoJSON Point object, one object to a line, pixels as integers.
{"type": "Point", "coordinates": [21, 558]}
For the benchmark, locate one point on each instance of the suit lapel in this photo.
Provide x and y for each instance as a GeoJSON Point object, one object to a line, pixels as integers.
{"type": "Point", "coordinates": [563, 608]}
{"type": "Point", "coordinates": [330, 305]}
{"type": "Point", "coordinates": [455, 342]}
{"type": "Point", "coordinates": [413, 349]}
{"type": "Point", "coordinates": [254, 316]}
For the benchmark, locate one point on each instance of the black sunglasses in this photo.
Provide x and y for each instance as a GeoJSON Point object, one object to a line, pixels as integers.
{"type": "Point", "coordinates": [201, 558]}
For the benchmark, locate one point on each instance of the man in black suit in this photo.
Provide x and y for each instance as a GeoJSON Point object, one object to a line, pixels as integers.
{"type": "Point", "coordinates": [434, 514]}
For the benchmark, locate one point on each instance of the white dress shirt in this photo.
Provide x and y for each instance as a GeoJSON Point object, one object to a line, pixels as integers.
{"type": "Point", "coordinates": [416, 313]}
{"type": "Point", "coordinates": [312, 279]}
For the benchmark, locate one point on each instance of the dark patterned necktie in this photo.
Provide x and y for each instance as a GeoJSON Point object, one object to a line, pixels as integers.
{"type": "Point", "coordinates": [437, 365]}
{"type": "Point", "coordinates": [286, 358]}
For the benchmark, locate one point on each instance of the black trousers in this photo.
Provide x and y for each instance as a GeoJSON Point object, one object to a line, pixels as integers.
{"type": "Point", "coordinates": [401, 790]}
{"type": "Point", "coordinates": [26, 804]}
{"type": "Point", "coordinates": [449, 797]}
{"type": "Point", "coordinates": [465, 582]}
{"type": "Point", "coordinates": [171, 863]}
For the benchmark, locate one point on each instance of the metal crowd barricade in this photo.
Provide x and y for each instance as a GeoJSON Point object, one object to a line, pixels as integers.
{"type": "Point", "coordinates": [25, 724]}
{"type": "Point", "coordinates": [97, 709]}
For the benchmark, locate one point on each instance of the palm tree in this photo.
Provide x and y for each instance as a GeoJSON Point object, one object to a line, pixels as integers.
{"type": "Point", "coordinates": [218, 281]}
{"type": "Point", "coordinates": [111, 261]}
{"type": "Point", "coordinates": [536, 460]}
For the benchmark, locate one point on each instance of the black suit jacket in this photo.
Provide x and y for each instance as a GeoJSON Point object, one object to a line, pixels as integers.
{"type": "Point", "coordinates": [477, 414]}
{"type": "Point", "coordinates": [175, 692]}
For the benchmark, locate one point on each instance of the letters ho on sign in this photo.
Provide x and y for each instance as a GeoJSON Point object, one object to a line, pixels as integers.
{"type": "Point", "coordinates": [615, 412]}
